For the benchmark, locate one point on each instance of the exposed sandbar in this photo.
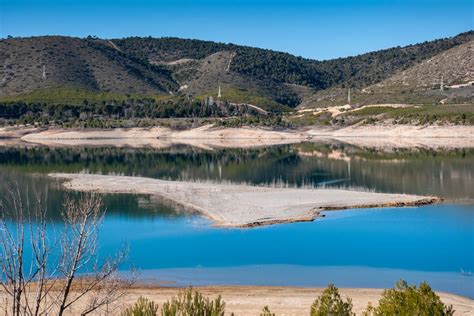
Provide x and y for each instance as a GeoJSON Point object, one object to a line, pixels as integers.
{"type": "Point", "coordinates": [398, 136]}
{"type": "Point", "coordinates": [208, 136]}
{"type": "Point", "coordinates": [205, 137]}
{"type": "Point", "coordinates": [236, 205]}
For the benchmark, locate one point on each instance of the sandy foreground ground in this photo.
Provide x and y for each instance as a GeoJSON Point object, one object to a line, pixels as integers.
{"type": "Point", "coordinates": [250, 300]}
{"type": "Point", "coordinates": [208, 137]}
{"type": "Point", "coordinates": [283, 301]}
{"type": "Point", "coordinates": [241, 205]}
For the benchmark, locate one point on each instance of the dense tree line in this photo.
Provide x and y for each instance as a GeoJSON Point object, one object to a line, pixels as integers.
{"type": "Point", "coordinates": [21, 112]}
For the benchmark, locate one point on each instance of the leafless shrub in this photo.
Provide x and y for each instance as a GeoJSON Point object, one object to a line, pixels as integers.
{"type": "Point", "coordinates": [32, 281]}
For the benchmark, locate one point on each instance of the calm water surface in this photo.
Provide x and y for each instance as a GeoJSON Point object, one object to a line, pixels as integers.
{"type": "Point", "coordinates": [364, 248]}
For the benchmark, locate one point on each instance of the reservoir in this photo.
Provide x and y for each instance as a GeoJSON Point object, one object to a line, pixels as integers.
{"type": "Point", "coordinates": [351, 248]}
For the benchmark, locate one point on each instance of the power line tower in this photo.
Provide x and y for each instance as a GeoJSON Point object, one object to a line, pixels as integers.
{"type": "Point", "coordinates": [441, 85]}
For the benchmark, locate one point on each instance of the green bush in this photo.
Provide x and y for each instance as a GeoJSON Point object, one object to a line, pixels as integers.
{"type": "Point", "coordinates": [142, 307]}
{"type": "Point", "coordinates": [406, 299]}
{"type": "Point", "coordinates": [331, 303]}
{"type": "Point", "coordinates": [192, 303]}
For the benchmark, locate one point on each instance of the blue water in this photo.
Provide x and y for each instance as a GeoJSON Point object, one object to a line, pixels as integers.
{"type": "Point", "coordinates": [308, 276]}
{"type": "Point", "coordinates": [368, 247]}
{"type": "Point", "coordinates": [431, 238]}
{"type": "Point", "coordinates": [353, 248]}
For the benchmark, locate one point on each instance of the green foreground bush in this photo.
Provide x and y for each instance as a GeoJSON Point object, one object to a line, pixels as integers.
{"type": "Point", "coordinates": [406, 299]}
{"type": "Point", "coordinates": [190, 303]}
{"type": "Point", "coordinates": [402, 300]}
{"type": "Point", "coordinates": [331, 303]}
{"type": "Point", "coordinates": [142, 307]}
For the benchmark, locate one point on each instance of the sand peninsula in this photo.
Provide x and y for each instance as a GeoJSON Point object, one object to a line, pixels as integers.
{"type": "Point", "coordinates": [235, 205]}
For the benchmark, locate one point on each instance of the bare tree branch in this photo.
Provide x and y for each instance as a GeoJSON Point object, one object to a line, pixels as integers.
{"type": "Point", "coordinates": [39, 284]}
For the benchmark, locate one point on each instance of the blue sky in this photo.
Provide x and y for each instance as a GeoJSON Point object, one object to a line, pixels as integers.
{"type": "Point", "coordinates": [315, 29]}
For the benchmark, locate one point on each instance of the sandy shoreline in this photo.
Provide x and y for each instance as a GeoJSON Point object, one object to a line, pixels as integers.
{"type": "Point", "coordinates": [204, 137]}
{"type": "Point", "coordinates": [249, 300]}
{"type": "Point", "coordinates": [400, 136]}
{"type": "Point", "coordinates": [215, 137]}
{"type": "Point", "coordinates": [233, 205]}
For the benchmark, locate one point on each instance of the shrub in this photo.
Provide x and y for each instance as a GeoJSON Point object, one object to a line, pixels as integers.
{"type": "Point", "coordinates": [406, 299]}
{"type": "Point", "coordinates": [331, 303]}
{"type": "Point", "coordinates": [142, 307]}
{"type": "Point", "coordinates": [266, 312]}
{"type": "Point", "coordinates": [190, 303]}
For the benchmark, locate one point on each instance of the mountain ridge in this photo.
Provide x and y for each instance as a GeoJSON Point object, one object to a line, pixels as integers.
{"type": "Point", "coordinates": [172, 66]}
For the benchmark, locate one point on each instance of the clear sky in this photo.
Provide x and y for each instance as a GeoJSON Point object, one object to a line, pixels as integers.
{"type": "Point", "coordinates": [315, 29]}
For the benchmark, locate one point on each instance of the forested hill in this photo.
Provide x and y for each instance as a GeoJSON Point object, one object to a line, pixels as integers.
{"type": "Point", "coordinates": [358, 71]}
{"type": "Point", "coordinates": [53, 68]}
